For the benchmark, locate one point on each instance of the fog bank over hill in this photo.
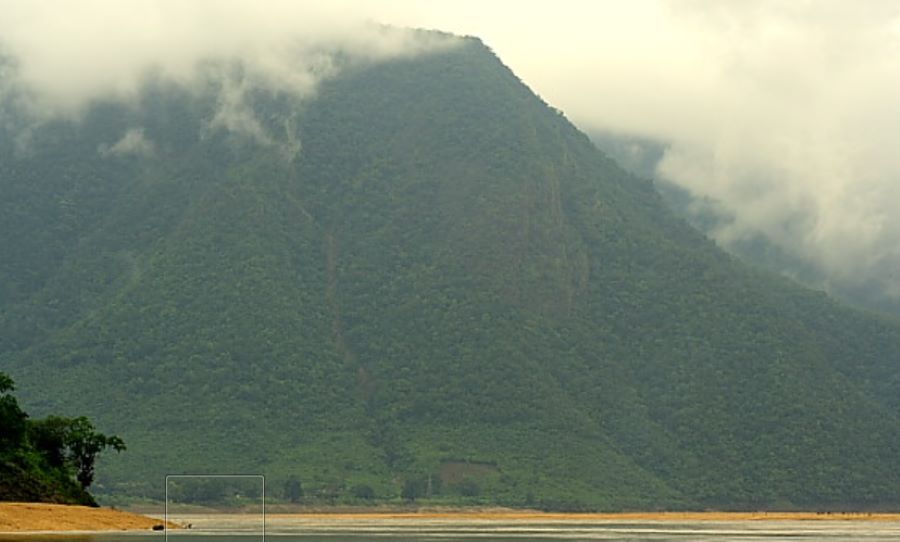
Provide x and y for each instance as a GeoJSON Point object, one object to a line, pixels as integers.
{"type": "Point", "coordinates": [62, 58]}
{"type": "Point", "coordinates": [785, 113]}
{"type": "Point", "coordinates": [717, 220]}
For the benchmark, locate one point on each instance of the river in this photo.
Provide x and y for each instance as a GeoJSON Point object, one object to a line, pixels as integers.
{"type": "Point", "coordinates": [284, 529]}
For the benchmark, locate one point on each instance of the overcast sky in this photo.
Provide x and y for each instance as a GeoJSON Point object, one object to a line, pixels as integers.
{"type": "Point", "coordinates": [786, 111]}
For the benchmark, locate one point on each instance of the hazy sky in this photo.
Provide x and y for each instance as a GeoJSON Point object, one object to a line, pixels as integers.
{"type": "Point", "coordinates": [786, 111]}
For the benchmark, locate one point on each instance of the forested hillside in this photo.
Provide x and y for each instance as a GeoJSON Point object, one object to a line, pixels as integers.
{"type": "Point", "coordinates": [421, 277]}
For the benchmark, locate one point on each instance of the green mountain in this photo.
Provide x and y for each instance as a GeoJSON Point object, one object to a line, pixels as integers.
{"type": "Point", "coordinates": [422, 275]}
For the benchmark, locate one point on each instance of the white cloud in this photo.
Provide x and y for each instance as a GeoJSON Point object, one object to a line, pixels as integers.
{"type": "Point", "coordinates": [132, 143]}
{"type": "Point", "coordinates": [72, 53]}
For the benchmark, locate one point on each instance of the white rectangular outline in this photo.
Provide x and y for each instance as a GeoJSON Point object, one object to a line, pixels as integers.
{"type": "Point", "coordinates": [261, 476]}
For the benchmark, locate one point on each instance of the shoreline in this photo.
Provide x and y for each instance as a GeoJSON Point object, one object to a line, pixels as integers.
{"type": "Point", "coordinates": [498, 513]}
{"type": "Point", "coordinates": [45, 518]}
{"type": "Point", "coordinates": [50, 519]}
{"type": "Point", "coordinates": [537, 515]}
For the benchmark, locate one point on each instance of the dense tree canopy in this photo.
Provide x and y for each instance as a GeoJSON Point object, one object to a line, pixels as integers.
{"type": "Point", "coordinates": [40, 459]}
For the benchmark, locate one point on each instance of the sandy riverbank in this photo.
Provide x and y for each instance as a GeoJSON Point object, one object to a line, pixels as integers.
{"type": "Point", "coordinates": [36, 517]}
{"type": "Point", "coordinates": [24, 517]}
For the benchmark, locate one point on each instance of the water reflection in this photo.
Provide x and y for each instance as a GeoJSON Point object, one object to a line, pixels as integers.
{"type": "Point", "coordinates": [281, 529]}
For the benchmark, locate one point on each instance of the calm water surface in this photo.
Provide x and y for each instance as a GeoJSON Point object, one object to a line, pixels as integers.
{"type": "Point", "coordinates": [243, 529]}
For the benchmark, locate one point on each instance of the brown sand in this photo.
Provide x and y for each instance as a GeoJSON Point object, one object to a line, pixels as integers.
{"type": "Point", "coordinates": [534, 515]}
{"type": "Point", "coordinates": [23, 517]}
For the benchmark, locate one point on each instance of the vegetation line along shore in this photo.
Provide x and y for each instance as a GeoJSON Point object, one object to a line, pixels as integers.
{"type": "Point", "coordinates": [534, 515]}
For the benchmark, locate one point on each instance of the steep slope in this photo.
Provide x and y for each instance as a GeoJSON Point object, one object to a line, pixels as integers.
{"type": "Point", "coordinates": [446, 280]}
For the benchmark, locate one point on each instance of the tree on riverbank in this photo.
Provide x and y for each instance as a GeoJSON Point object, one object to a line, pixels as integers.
{"type": "Point", "coordinates": [47, 460]}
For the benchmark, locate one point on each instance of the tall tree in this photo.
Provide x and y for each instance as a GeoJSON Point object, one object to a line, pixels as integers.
{"type": "Point", "coordinates": [293, 489]}
{"type": "Point", "coordinates": [73, 442]}
{"type": "Point", "coordinates": [12, 418]}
